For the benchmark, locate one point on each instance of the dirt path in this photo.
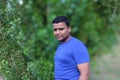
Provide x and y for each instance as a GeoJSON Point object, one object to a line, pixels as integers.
{"type": "Point", "coordinates": [108, 65]}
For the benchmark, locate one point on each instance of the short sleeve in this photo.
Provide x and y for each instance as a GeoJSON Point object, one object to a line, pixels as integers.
{"type": "Point", "coordinates": [80, 53]}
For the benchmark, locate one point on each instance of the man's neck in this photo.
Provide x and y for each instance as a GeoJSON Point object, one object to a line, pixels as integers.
{"type": "Point", "coordinates": [66, 39]}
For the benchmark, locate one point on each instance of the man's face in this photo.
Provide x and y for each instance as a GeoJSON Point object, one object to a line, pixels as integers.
{"type": "Point", "coordinates": [61, 31]}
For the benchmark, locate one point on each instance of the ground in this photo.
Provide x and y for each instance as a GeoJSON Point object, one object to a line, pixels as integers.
{"type": "Point", "coordinates": [107, 66]}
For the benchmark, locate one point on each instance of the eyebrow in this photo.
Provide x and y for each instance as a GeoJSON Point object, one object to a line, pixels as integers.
{"type": "Point", "coordinates": [58, 28]}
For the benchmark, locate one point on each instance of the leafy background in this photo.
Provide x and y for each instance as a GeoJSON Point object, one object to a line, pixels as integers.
{"type": "Point", "coordinates": [27, 44]}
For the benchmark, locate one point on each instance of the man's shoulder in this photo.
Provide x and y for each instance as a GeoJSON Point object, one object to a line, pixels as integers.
{"type": "Point", "coordinates": [77, 40]}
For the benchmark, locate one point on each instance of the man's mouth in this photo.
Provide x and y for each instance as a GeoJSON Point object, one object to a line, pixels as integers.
{"type": "Point", "coordinates": [58, 37]}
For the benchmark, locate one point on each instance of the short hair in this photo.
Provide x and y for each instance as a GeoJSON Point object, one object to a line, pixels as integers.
{"type": "Point", "coordinates": [61, 19]}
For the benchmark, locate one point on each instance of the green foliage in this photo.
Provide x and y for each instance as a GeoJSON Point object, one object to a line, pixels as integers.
{"type": "Point", "coordinates": [27, 44]}
{"type": "Point", "coordinates": [41, 69]}
{"type": "Point", "coordinates": [12, 62]}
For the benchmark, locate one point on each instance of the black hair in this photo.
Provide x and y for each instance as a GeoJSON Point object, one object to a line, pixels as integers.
{"type": "Point", "coordinates": [61, 19]}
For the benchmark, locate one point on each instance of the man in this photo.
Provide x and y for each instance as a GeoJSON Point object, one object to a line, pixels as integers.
{"type": "Point", "coordinates": [71, 58]}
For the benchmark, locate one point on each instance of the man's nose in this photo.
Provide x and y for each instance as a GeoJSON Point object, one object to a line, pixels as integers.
{"type": "Point", "coordinates": [57, 32]}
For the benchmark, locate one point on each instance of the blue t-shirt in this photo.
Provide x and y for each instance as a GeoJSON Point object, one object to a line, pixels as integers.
{"type": "Point", "coordinates": [67, 56]}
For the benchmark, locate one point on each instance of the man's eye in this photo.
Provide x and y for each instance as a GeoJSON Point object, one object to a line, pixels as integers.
{"type": "Point", "coordinates": [61, 28]}
{"type": "Point", "coordinates": [54, 29]}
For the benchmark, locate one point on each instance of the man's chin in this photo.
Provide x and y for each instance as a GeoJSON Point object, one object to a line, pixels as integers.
{"type": "Point", "coordinates": [59, 39]}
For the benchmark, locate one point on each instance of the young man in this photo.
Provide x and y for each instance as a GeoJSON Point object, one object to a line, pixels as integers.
{"type": "Point", "coordinates": [72, 58]}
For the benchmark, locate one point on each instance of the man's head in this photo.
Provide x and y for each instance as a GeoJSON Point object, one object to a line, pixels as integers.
{"type": "Point", "coordinates": [59, 19]}
{"type": "Point", "coordinates": [61, 28]}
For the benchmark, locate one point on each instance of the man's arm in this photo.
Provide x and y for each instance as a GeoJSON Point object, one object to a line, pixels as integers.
{"type": "Point", "coordinates": [84, 71]}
